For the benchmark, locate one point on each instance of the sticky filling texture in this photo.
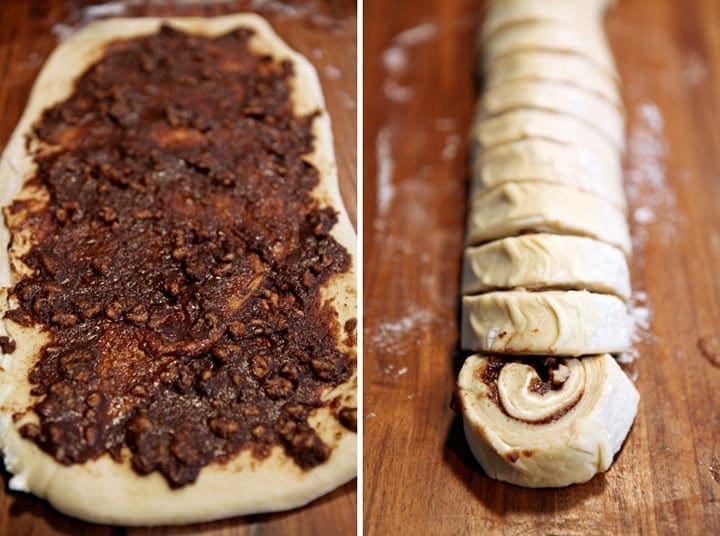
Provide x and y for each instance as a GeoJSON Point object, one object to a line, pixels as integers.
{"type": "Point", "coordinates": [177, 261]}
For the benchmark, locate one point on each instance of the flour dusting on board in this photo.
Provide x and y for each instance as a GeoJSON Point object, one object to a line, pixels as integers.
{"type": "Point", "coordinates": [640, 315]}
{"type": "Point", "coordinates": [647, 187]}
{"type": "Point", "coordinates": [396, 62]}
{"type": "Point", "coordinates": [652, 204]}
{"type": "Point", "coordinates": [395, 59]}
{"type": "Point", "coordinates": [396, 339]}
{"type": "Point", "coordinates": [385, 167]}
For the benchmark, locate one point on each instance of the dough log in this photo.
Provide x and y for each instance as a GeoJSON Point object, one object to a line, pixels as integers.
{"type": "Point", "coordinates": [545, 278]}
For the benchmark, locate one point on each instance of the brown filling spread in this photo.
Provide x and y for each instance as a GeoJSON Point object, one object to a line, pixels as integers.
{"type": "Point", "coordinates": [544, 366]}
{"type": "Point", "coordinates": [178, 265]}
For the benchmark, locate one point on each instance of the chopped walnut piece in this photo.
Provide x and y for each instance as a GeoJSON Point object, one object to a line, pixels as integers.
{"type": "Point", "coordinates": [278, 387]}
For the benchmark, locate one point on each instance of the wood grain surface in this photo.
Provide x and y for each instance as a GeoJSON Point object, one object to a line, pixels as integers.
{"type": "Point", "coordinates": [322, 30]}
{"type": "Point", "coordinates": [419, 90]}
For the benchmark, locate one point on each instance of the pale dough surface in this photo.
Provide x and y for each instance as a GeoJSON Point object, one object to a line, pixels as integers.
{"type": "Point", "coordinates": [543, 160]}
{"type": "Point", "coordinates": [571, 12]}
{"type": "Point", "coordinates": [514, 207]}
{"type": "Point", "coordinates": [525, 123]}
{"type": "Point", "coordinates": [585, 39]}
{"type": "Point", "coordinates": [546, 261]}
{"type": "Point", "coordinates": [573, 69]}
{"type": "Point", "coordinates": [552, 322]}
{"type": "Point", "coordinates": [556, 97]}
{"type": "Point", "coordinates": [108, 492]}
{"type": "Point", "coordinates": [570, 449]}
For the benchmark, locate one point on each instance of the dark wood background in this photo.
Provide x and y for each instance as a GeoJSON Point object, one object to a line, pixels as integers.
{"type": "Point", "coordinates": [420, 477]}
{"type": "Point", "coordinates": [322, 30]}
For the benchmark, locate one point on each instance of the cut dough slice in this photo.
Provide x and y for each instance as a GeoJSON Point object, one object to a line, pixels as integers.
{"type": "Point", "coordinates": [545, 424]}
{"type": "Point", "coordinates": [560, 67]}
{"type": "Point", "coordinates": [503, 13]}
{"type": "Point", "coordinates": [585, 39]}
{"type": "Point", "coordinates": [514, 207]}
{"type": "Point", "coordinates": [546, 261]}
{"type": "Point", "coordinates": [556, 97]}
{"type": "Point", "coordinates": [103, 490]}
{"type": "Point", "coordinates": [554, 322]}
{"type": "Point", "coordinates": [528, 123]}
{"type": "Point", "coordinates": [537, 159]}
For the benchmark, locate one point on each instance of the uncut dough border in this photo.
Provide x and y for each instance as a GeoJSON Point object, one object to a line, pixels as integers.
{"type": "Point", "coordinates": [108, 492]}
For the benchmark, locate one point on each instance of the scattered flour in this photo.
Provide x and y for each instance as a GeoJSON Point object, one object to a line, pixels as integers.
{"type": "Point", "coordinates": [643, 215]}
{"type": "Point", "coordinates": [416, 35]}
{"type": "Point", "coordinates": [63, 31]}
{"type": "Point", "coordinates": [385, 168]}
{"type": "Point", "coordinates": [647, 186]}
{"type": "Point", "coordinates": [394, 336]}
{"type": "Point", "coordinates": [396, 341]}
{"type": "Point", "coordinates": [395, 60]}
{"type": "Point", "coordinates": [332, 72]}
{"type": "Point", "coordinates": [347, 100]}
{"type": "Point", "coordinates": [111, 9]}
{"type": "Point", "coordinates": [640, 315]}
{"type": "Point", "coordinates": [395, 91]}
{"type": "Point", "coordinates": [695, 70]}
{"type": "Point", "coordinates": [451, 148]}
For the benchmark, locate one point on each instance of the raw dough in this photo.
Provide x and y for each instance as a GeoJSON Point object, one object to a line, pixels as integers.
{"type": "Point", "coordinates": [546, 261]}
{"type": "Point", "coordinates": [585, 39]}
{"type": "Point", "coordinates": [589, 417]}
{"type": "Point", "coordinates": [108, 492]}
{"type": "Point", "coordinates": [553, 322]}
{"type": "Point", "coordinates": [538, 159]}
{"type": "Point", "coordinates": [574, 13]}
{"type": "Point", "coordinates": [526, 123]}
{"type": "Point", "coordinates": [556, 97]}
{"type": "Point", "coordinates": [514, 207]}
{"type": "Point", "coordinates": [572, 69]}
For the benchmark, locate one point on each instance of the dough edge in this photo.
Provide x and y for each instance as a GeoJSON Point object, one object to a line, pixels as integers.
{"type": "Point", "coordinates": [108, 492]}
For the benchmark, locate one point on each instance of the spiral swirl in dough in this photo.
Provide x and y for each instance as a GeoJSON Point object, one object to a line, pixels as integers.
{"type": "Point", "coordinates": [545, 422]}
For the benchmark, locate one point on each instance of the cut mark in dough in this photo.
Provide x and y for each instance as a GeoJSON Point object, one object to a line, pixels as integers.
{"type": "Point", "coordinates": [543, 160]}
{"type": "Point", "coordinates": [546, 261]}
{"type": "Point", "coordinates": [557, 97]}
{"type": "Point", "coordinates": [589, 41]}
{"type": "Point", "coordinates": [565, 67]}
{"type": "Point", "coordinates": [512, 208]}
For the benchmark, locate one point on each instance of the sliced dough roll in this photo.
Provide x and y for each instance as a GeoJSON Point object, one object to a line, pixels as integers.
{"type": "Point", "coordinates": [546, 261]}
{"type": "Point", "coordinates": [514, 207]}
{"type": "Point", "coordinates": [528, 123]}
{"type": "Point", "coordinates": [546, 424]}
{"type": "Point", "coordinates": [572, 69]}
{"type": "Point", "coordinates": [503, 13]}
{"type": "Point", "coordinates": [556, 97]}
{"type": "Point", "coordinates": [585, 39]}
{"type": "Point", "coordinates": [537, 159]}
{"type": "Point", "coordinates": [553, 322]}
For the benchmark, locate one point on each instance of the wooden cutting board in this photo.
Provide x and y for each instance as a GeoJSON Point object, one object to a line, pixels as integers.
{"type": "Point", "coordinates": [322, 30]}
{"type": "Point", "coordinates": [420, 477]}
